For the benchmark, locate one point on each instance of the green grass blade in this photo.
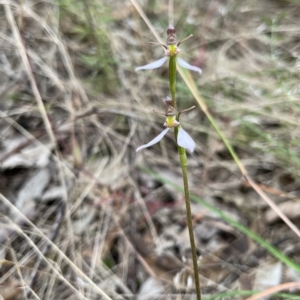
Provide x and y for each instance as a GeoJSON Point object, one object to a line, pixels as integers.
{"type": "Point", "coordinates": [272, 250]}
{"type": "Point", "coordinates": [239, 294]}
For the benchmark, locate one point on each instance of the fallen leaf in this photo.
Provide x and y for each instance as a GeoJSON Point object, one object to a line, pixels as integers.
{"type": "Point", "coordinates": [290, 208]}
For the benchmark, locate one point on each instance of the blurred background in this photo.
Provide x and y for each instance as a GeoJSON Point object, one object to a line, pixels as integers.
{"type": "Point", "coordinates": [83, 216]}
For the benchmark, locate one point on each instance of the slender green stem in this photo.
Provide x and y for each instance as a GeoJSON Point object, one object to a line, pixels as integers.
{"type": "Point", "coordinates": [183, 163]}
{"type": "Point", "coordinates": [172, 78]}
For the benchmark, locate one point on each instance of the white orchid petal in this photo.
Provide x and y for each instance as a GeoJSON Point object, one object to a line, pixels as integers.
{"type": "Point", "coordinates": [185, 65]}
{"type": "Point", "coordinates": [184, 140]}
{"type": "Point", "coordinates": [153, 65]}
{"type": "Point", "coordinates": [154, 141]}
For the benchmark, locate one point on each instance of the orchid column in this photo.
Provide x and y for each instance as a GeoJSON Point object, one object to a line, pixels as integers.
{"type": "Point", "coordinates": [183, 139]}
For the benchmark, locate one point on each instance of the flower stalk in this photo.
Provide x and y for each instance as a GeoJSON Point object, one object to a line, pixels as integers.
{"type": "Point", "coordinates": [184, 163]}
{"type": "Point", "coordinates": [172, 79]}
{"type": "Point", "coordinates": [183, 139]}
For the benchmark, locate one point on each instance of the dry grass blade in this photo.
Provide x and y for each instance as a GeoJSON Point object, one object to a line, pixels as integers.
{"type": "Point", "coordinates": [56, 248]}
{"type": "Point", "coordinates": [26, 63]}
{"type": "Point", "coordinates": [42, 257]}
{"type": "Point", "coordinates": [192, 86]}
{"type": "Point", "coordinates": [276, 289]}
{"type": "Point", "coordinates": [34, 87]}
{"type": "Point", "coordinates": [42, 109]}
{"type": "Point", "coordinates": [147, 21]}
{"type": "Point", "coordinates": [171, 12]}
{"type": "Point", "coordinates": [76, 84]}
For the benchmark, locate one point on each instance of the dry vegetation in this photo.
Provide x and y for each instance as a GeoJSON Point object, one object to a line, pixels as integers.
{"type": "Point", "coordinates": [82, 216]}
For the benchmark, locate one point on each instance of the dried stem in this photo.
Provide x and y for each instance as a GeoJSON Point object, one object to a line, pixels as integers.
{"type": "Point", "coordinates": [171, 11]}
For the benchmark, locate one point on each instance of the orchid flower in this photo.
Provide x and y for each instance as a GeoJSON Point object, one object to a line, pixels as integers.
{"type": "Point", "coordinates": [184, 140]}
{"type": "Point", "coordinates": [170, 50]}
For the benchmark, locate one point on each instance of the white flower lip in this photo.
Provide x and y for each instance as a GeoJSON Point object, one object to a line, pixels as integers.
{"type": "Point", "coordinates": [184, 140]}
{"type": "Point", "coordinates": [153, 65]}
{"type": "Point", "coordinates": [185, 65]}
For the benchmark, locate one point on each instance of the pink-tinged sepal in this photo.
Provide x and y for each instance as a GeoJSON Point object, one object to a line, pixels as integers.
{"type": "Point", "coordinates": [185, 141]}
{"type": "Point", "coordinates": [153, 65]}
{"type": "Point", "coordinates": [154, 141]}
{"type": "Point", "coordinates": [185, 65]}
